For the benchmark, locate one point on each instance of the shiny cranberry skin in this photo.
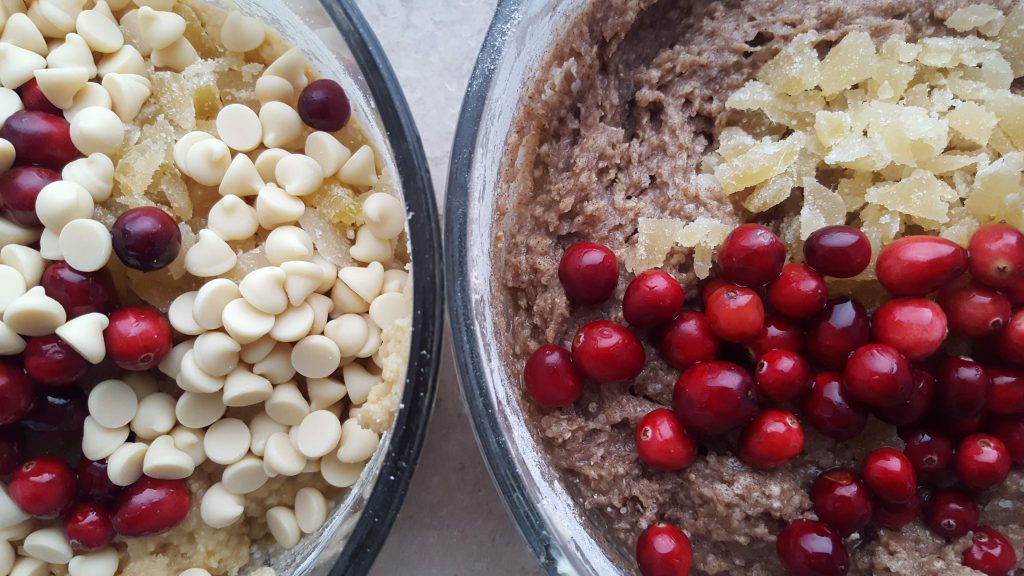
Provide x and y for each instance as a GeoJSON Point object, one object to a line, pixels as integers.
{"type": "Point", "coordinates": [138, 338]}
{"type": "Point", "coordinates": [778, 333]}
{"type": "Point", "coordinates": [43, 488]}
{"type": "Point", "coordinates": [1005, 391]}
{"type": "Point", "coordinates": [88, 527]}
{"type": "Point", "coordinates": [714, 397]}
{"type": "Point", "coordinates": [798, 292]}
{"type": "Point", "coordinates": [982, 462]}
{"type": "Point", "coordinates": [662, 442]}
{"type": "Point", "coordinates": [890, 475]}
{"type": "Point", "coordinates": [32, 98]}
{"type": "Point", "coordinates": [961, 387]}
{"type": "Point", "coordinates": [550, 378]}
{"type": "Point", "coordinates": [751, 255]}
{"type": "Point", "coordinates": [1015, 292]}
{"type": "Point", "coordinates": [895, 516]}
{"type": "Point", "coordinates": [146, 238]}
{"type": "Point", "coordinates": [39, 139]}
{"type": "Point", "coordinates": [323, 105]}
{"type": "Point", "coordinates": [607, 352]}
{"type": "Point", "coordinates": [918, 265]}
{"type": "Point", "coordinates": [94, 482]}
{"type": "Point", "coordinates": [774, 438]}
{"type": "Point", "coordinates": [80, 293]}
{"type": "Point", "coordinates": [975, 310]}
{"type": "Point", "coordinates": [842, 501]}
{"type": "Point", "coordinates": [841, 328]}
{"type": "Point", "coordinates": [736, 313]}
{"type": "Point", "coordinates": [997, 255]}
{"type": "Point", "coordinates": [16, 393]}
{"type": "Point", "coordinates": [916, 327]}
{"type": "Point", "coordinates": [879, 376]}
{"type": "Point", "coordinates": [151, 506]}
{"type": "Point", "coordinates": [57, 410]}
{"type": "Point", "coordinates": [831, 410]}
{"type": "Point", "coordinates": [950, 513]}
{"type": "Point", "coordinates": [838, 251]}
{"type": "Point", "coordinates": [783, 376]}
{"type": "Point", "coordinates": [19, 188]}
{"type": "Point", "coordinates": [930, 452]}
{"type": "Point", "coordinates": [11, 439]}
{"type": "Point", "coordinates": [1011, 432]}
{"type": "Point", "coordinates": [710, 285]}
{"type": "Point", "coordinates": [811, 548]}
{"type": "Point", "coordinates": [51, 362]}
{"type": "Point", "coordinates": [664, 550]}
{"type": "Point", "coordinates": [687, 340]}
{"type": "Point", "coordinates": [920, 401]}
{"type": "Point", "coordinates": [1010, 341]}
{"type": "Point", "coordinates": [652, 299]}
{"type": "Point", "coordinates": [589, 273]}
{"type": "Point", "coordinates": [990, 553]}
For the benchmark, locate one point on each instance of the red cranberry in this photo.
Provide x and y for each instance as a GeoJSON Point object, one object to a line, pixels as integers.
{"type": "Point", "coordinates": [960, 428]}
{"type": "Point", "coordinates": [80, 293]}
{"type": "Point", "coordinates": [831, 409]}
{"type": "Point", "coordinates": [51, 362]}
{"type": "Point", "coordinates": [44, 487]}
{"type": "Point", "coordinates": [16, 393]}
{"type": "Point", "coordinates": [151, 506]}
{"type": "Point", "coordinates": [736, 313]}
{"type": "Point", "coordinates": [146, 238]}
{"type": "Point", "coordinates": [951, 513]}
{"type": "Point", "coordinates": [32, 98]}
{"type": "Point", "coordinates": [323, 105]}
{"type": "Point", "coordinates": [94, 482]}
{"type": "Point", "coordinates": [1010, 341]}
{"type": "Point", "coordinates": [687, 340]}
{"type": "Point", "coordinates": [916, 406]}
{"type": "Point", "coordinates": [916, 327]}
{"type": "Point", "coordinates": [774, 438]}
{"type": "Point", "coordinates": [1015, 291]}
{"type": "Point", "coordinates": [975, 310]}
{"type": "Point", "coordinates": [39, 139]}
{"type": "Point", "coordinates": [751, 255]}
{"type": "Point", "coordinates": [783, 376]}
{"type": "Point", "coordinates": [19, 188]}
{"type": "Point", "coordinates": [11, 438]}
{"type": "Point", "coordinates": [664, 550]}
{"type": "Point", "coordinates": [917, 265]}
{"type": "Point", "coordinates": [997, 255]}
{"type": "Point", "coordinates": [550, 378]}
{"type": "Point", "coordinates": [890, 475]}
{"type": "Point", "coordinates": [708, 287]}
{"type": "Point", "coordinates": [1005, 392]}
{"type": "Point", "coordinates": [778, 333]}
{"type": "Point", "coordinates": [930, 452]}
{"type": "Point", "coordinates": [810, 548]}
{"type": "Point", "coordinates": [838, 251]}
{"type": "Point", "coordinates": [842, 501]}
{"type": "Point", "coordinates": [607, 352]}
{"type": "Point", "coordinates": [878, 375]}
{"type": "Point", "coordinates": [714, 397]}
{"type": "Point", "coordinates": [841, 328]}
{"type": "Point", "coordinates": [961, 387]}
{"type": "Point", "coordinates": [138, 338]}
{"type": "Point", "coordinates": [895, 516]}
{"type": "Point", "coordinates": [652, 299]}
{"type": "Point", "coordinates": [61, 410]}
{"type": "Point", "coordinates": [88, 527]}
{"type": "Point", "coordinates": [589, 273]}
{"type": "Point", "coordinates": [990, 553]}
{"type": "Point", "coordinates": [1011, 432]}
{"type": "Point", "coordinates": [799, 292]}
{"type": "Point", "coordinates": [982, 462]}
{"type": "Point", "coordinates": [662, 442]}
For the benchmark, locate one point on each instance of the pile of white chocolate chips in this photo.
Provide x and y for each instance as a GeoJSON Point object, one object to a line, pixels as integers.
{"type": "Point", "coordinates": [290, 298]}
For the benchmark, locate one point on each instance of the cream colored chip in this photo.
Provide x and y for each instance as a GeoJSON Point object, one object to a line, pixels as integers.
{"type": "Point", "coordinates": [85, 335]}
{"type": "Point", "coordinates": [359, 381]}
{"type": "Point", "coordinates": [124, 466]}
{"type": "Point", "coordinates": [384, 215]}
{"type": "Point", "coordinates": [18, 531]}
{"type": "Point", "coordinates": [215, 353]}
{"type": "Point", "coordinates": [316, 356]}
{"type": "Point", "coordinates": [6, 150]}
{"type": "Point", "coordinates": [243, 388]}
{"type": "Point", "coordinates": [126, 60]}
{"type": "Point", "coordinates": [12, 286]}
{"type": "Point", "coordinates": [275, 207]}
{"type": "Point", "coordinates": [322, 306]}
{"type": "Point", "coordinates": [245, 476]}
{"type": "Point", "coordinates": [211, 299]}
{"type": "Point", "coordinates": [373, 341]}
{"type": "Point", "coordinates": [190, 441]}
{"type": "Point", "coordinates": [227, 441]}
{"type": "Point", "coordinates": [318, 434]}
{"type": "Point", "coordinates": [369, 248]}
{"type": "Point", "coordinates": [293, 324]}
{"type": "Point", "coordinates": [286, 405]}
{"type": "Point", "coordinates": [49, 545]}
{"type": "Point", "coordinates": [165, 461]}
{"type": "Point", "coordinates": [180, 314]}
{"type": "Point", "coordinates": [357, 443]}
{"type": "Point", "coordinates": [299, 174]}
{"type": "Point", "coordinates": [199, 410]}
{"type": "Point", "coordinates": [154, 417]}
{"type": "Point", "coordinates": [389, 308]}
{"type": "Point", "coordinates": [327, 151]}
{"type": "Point", "coordinates": [60, 85]}
{"type": "Point", "coordinates": [292, 67]}
{"type": "Point", "coordinates": [34, 313]}
{"type": "Point", "coordinates": [21, 31]}
{"type": "Point", "coordinates": [99, 31]}
{"type": "Point", "coordinates": [220, 508]}
{"type": "Point", "coordinates": [241, 33]}
{"type": "Point", "coordinates": [287, 243]}
{"type": "Point", "coordinates": [61, 202]}
{"type": "Point", "coordinates": [177, 56]}
{"type": "Point", "coordinates": [10, 103]}
{"type": "Point", "coordinates": [113, 404]}
{"type": "Point", "coordinates": [349, 332]}
{"type": "Point", "coordinates": [97, 129]}
{"type": "Point", "coordinates": [208, 161]}
{"type": "Point", "coordinates": [95, 173]}
{"type": "Point", "coordinates": [92, 94]}
{"type": "Point", "coordinates": [245, 323]}
{"type": "Point", "coordinates": [345, 301]}
{"type": "Point", "coordinates": [160, 28]}
{"type": "Point", "coordinates": [171, 364]}
{"type": "Point", "coordinates": [239, 127]}
{"type": "Point", "coordinates": [7, 557]}
{"type": "Point", "coordinates": [184, 144]}
{"type": "Point", "coordinates": [258, 350]}
{"type": "Point", "coordinates": [55, 18]}
{"type": "Point", "coordinates": [98, 441]}
{"type": "Point", "coordinates": [395, 281]}
{"type": "Point", "coordinates": [324, 392]}
{"type": "Point", "coordinates": [311, 509]}
{"type": "Point", "coordinates": [276, 366]}
{"type": "Point", "coordinates": [49, 245]}
{"type": "Point", "coordinates": [367, 282]}
{"type": "Point", "coordinates": [283, 526]}
{"type": "Point", "coordinates": [360, 169]}
{"type": "Point", "coordinates": [266, 162]}
{"type": "Point", "coordinates": [10, 342]}
{"type": "Point", "coordinates": [281, 124]}
{"type": "Point", "coordinates": [192, 378]}
{"type": "Point", "coordinates": [232, 219]}
{"type": "Point", "coordinates": [25, 566]}
{"type": "Point", "coordinates": [274, 89]}
{"type": "Point", "coordinates": [86, 244]}
{"type": "Point", "coordinates": [264, 289]}
{"type": "Point", "coordinates": [262, 427]}
{"type": "Point", "coordinates": [130, 26]}
{"type": "Point", "coordinates": [18, 65]}
{"type": "Point", "coordinates": [128, 92]}
{"type": "Point", "coordinates": [302, 280]}
{"type": "Point", "coordinates": [10, 514]}
{"type": "Point", "coordinates": [242, 178]}
{"type": "Point", "coordinates": [281, 457]}
{"type": "Point", "coordinates": [75, 51]}
{"type": "Point", "coordinates": [340, 474]}
{"type": "Point", "coordinates": [164, 5]}
{"type": "Point", "coordinates": [100, 563]}
{"type": "Point", "coordinates": [11, 233]}
{"type": "Point", "coordinates": [209, 256]}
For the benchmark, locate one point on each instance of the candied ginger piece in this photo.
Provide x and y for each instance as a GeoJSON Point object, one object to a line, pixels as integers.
{"type": "Point", "coordinates": [337, 203]}
{"type": "Point", "coordinates": [908, 133]}
{"type": "Point", "coordinates": [136, 169]}
{"type": "Point", "coordinates": [1009, 108]}
{"type": "Point", "coordinates": [796, 68]}
{"type": "Point", "coordinates": [858, 152]}
{"type": "Point", "coordinates": [174, 189]}
{"type": "Point", "coordinates": [703, 258]}
{"type": "Point", "coordinates": [952, 162]}
{"type": "Point", "coordinates": [848, 63]}
{"type": "Point", "coordinates": [853, 190]}
{"type": "Point", "coordinates": [734, 142]}
{"type": "Point", "coordinates": [960, 231]}
{"type": "Point", "coordinates": [922, 196]}
{"type": "Point", "coordinates": [822, 207]}
{"type": "Point", "coordinates": [996, 72]}
{"type": "Point", "coordinates": [196, 33]}
{"type": "Point", "coordinates": [1011, 38]}
{"type": "Point", "coordinates": [890, 80]}
{"type": "Point", "coordinates": [759, 164]}
{"type": "Point", "coordinates": [897, 48]}
{"type": "Point", "coordinates": [702, 230]}
{"type": "Point", "coordinates": [795, 111]}
{"type": "Point", "coordinates": [329, 239]}
{"type": "Point", "coordinates": [986, 19]}
{"type": "Point", "coordinates": [831, 127]}
{"type": "Point", "coordinates": [973, 122]}
{"type": "Point", "coordinates": [881, 226]}
{"type": "Point", "coordinates": [655, 237]}
{"type": "Point", "coordinates": [174, 98]}
{"type": "Point", "coordinates": [993, 185]}
{"type": "Point", "coordinates": [771, 193]}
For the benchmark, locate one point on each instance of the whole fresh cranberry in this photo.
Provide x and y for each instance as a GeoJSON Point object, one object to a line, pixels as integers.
{"type": "Point", "coordinates": [607, 352]}
{"type": "Point", "coordinates": [917, 265]}
{"type": "Point", "coordinates": [960, 428]}
{"type": "Point", "coordinates": [778, 333]}
{"type": "Point", "coordinates": [78, 292]}
{"type": "Point", "coordinates": [710, 285]}
{"type": "Point", "coordinates": [52, 362]}
{"type": "Point", "coordinates": [39, 139]}
{"type": "Point", "coordinates": [664, 550]}
{"type": "Point", "coordinates": [94, 483]}
{"type": "Point", "coordinates": [798, 292]}
{"type": "Point", "coordinates": [916, 327]}
{"type": "Point", "coordinates": [32, 98]}
{"type": "Point", "coordinates": [138, 338]}
{"type": "Point", "coordinates": [146, 238]}
{"type": "Point", "coordinates": [1010, 340]}
{"type": "Point", "coordinates": [653, 298]}
{"type": "Point", "coordinates": [831, 409]}
{"type": "Point", "coordinates": [841, 500]}
{"type": "Point", "coordinates": [930, 452]}
{"type": "Point", "coordinates": [774, 438]}
{"type": "Point", "coordinates": [589, 273]}
{"type": "Point", "coordinates": [997, 255]}
{"type": "Point", "coordinates": [751, 255]}
{"type": "Point", "coordinates": [19, 188]}
{"type": "Point", "coordinates": [1005, 391]}
{"type": "Point", "coordinates": [1015, 292]}
{"type": "Point", "coordinates": [878, 375]}
{"type": "Point", "coordinates": [61, 410]}
{"type": "Point", "coordinates": [16, 393]}
{"type": "Point", "coordinates": [982, 462]}
{"type": "Point", "coordinates": [1011, 432]}
{"type": "Point", "coordinates": [43, 487]}
{"type": "Point", "coordinates": [890, 475]}
{"type": "Point", "coordinates": [895, 516]}
{"type": "Point", "coordinates": [714, 397]}
{"type": "Point", "coordinates": [687, 340]}
{"type": "Point", "coordinates": [920, 401]}
{"type": "Point", "coordinates": [836, 332]}
{"type": "Point", "coordinates": [951, 513]}
{"type": "Point", "coordinates": [11, 440]}
{"type": "Point", "coordinates": [961, 387]}
{"type": "Point", "coordinates": [975, 310]}
{"type": "Point", "coordinates": [810, 548]}
{"type": "Point", "coordinates": [88, 527]}
{"type": "Point", "coordinates": [783, 376]}
{"type": "Point", "coordinates": [735, 313]}
{"type": "Point", "coordinates": [323, 105]}
{"type": "Point", "coordinates": [990, 553]}
{"type": "Point", "coordinates": [151, 506]}
{"type": "Point", "coordinates": [838, 251]}
{"type": "Point", "coordinates": [662, 442]}
{"type": "Point", "coordinates": [550, 378]}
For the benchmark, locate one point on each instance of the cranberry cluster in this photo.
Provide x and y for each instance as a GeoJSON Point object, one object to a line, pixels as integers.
{"type": "Point", "coordinates": [766, 344]}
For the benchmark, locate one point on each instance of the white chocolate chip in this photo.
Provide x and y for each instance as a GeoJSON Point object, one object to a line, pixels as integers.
{"type": "Point", "coordinates": [49, 245]}
{"type": "Point", "coordinates": [245, 323]}
{"type": "Point", "coordinates": [99, 442]}
{"type": "Point", "coordinates": [292, 67]}
{"type": "Point", "coordinates": [128, 92]}
{"type": "Point", "coordinates": [281, 124]}
{"type": "Point", "coordinates": [357, 443]}
{"type": "Point", "coordinates": [293, 324]}
{"type": "Point", "coordinates": [124, 466]}
{"type": "Point", "coordinates": [99, 31]}
{"type": "Point", "coordinates": [369, 248]}
{"type": "Point", "coordinates": [85, 335]}
{"type": "Point", "coordinates": [60, 85]}
{"type": "Point", "coordinates": [239, 127]}
{"type": "Point", "coordinates": [328, 273]}
{"type": "Point", "coordinates": [177, 56]}
{"type": "Point", "coordinates": [49, 545]}
{"type": "Point", "coordinates": [274, 89]}
{"type": "Point", "coordinates": [385, 215]}
{"type": "Point", "coordinates": [190, 441]}
{"type": "Point", "coordinates": [11, 233]}
{"type": "Point", "coordinates": [322, 306]}
{"type": "Point", "coordinates": [7, 557]}
{"type": "Point", "coordinates": [310, 509]}
{"type": "Point", "coordinates": [10, 103]}
{"type": "Point", "coordinates": [34, 313]}
{"type": "Point", "coordinates": [366, 281]}
{"type": "Point", "coordinates": [373, 341]}
{"type": "Point", "coordinates": [286, 404]}
{"type": "Point", "coordinates": [253, 352]}
{"type": "Point", "coordinates": [100, 563]}
{"type": "Point", "coordinates": [283, 526]}
{"type": "Point", "coordinates": [6, 149]}
{"type": "Point", "coordinates": [18, 65]}
{"type": "Point", "coordinates": [21, 31]}
{"type": "Point", "coordinates": [61, 202]}
{"type": "Point", "coordinates": [387, 309]}
{"type": "Point", "coordinates": [287, 243]}
{"type": "Point", "coordinates": [216, 353]}
{"type": "Point", "coordinates": [262, 427]}
{"type": "Point", "coordinates": [349, 332]}
{"type": "Point", "coordinates": [241, 33]}
{"type": "Point", "coordinates": [227, 441]}
{"type": "Point", "coordinates": [184, 144]}
{"type": "Point", "coordinates": [316, 356]}
{"type": "Point", "coordinates": [54, 17]}
{"type": "Point", "coordinates": [243, 388]}
{"type": "Point", "coordinates": [281, 456]}
{"type": "Point", "coordinates": [264, 289]}
{"type": "Point", "coordinates": [164, 5]}
{"type": "Point", "coordinates": [160, 29]}
{"type": "Point", "coordinates": [299, 174]}
{"type": "Point", "coordinates": [245, 476]}
{"type": "Point", "coordinates": [340, 474]}
{"type": "Point", "coordinates": [359, 381]}
{"type": "Point", "coordinates": [345, 301]}
{"type": "Point", "coordinates": [267, 161]}
{"type": "Point", "coordinates": [277, 366]}
{"type": "Point", "coordinates": [113, 403]}
{"type": "Point", "coordinates": [199, 410]}
{"type": "Point", "coordinates": [95, 173]}
{"type": "Point", "coordinates": [207, 160]}
{"type": "Point", "coordinates": [180, 314]}
{"type": "Point", "coordinates": [360, 169]}
{"type": "Point", "coordinates": [318, 434]}
{"type": "Point", "coordinates": [171, 364]}
{"type": "Point", "coordinates": [211, 299]}
{"type": "Point", "coordinates": [25, 566]}
{"type": "Point", "coordinates": [12, 286]}
{"type": "Point", "coordinates": [86, 244]}
{"type": "Point", "coordinates": [130, 25]}
{"type": "Point", "coordinates": [10, 514]}
{"type": "Point", "coordinates": [327, 151]}
{"type": "Point", "coordinates": [302, 280]}
{"type": "Point", "coordinates": [165, 462]}
{"type": "Point", "coordinates": [209, 256]}
{"type": "Point", "coordinates": [242, 178]}
{"type": "Point", "coordinates": [220, 508]}
{"type": "Point", "coordinates": [154, 417]}
{"type": "Point", "coordinates": [97, 129]}
{"type": "Point", "coordinates": [275, 207]}
{"type": "Point", "coordinates": [91, 95]}
{"type": "Point", "coordinates": [10, 342]}
{"type": "Point", "coordinates": [192, 378]}
{"type": "Point", "coordinates": [324, 392]}
{"type": "Point", "coordinates": [126, 60]}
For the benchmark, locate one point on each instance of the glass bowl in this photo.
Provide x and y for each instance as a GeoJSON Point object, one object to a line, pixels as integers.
{"type": "Point", "coordinates": [340, 45]}
{"type": "Point", "coordinates": [559, 532]}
